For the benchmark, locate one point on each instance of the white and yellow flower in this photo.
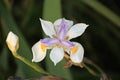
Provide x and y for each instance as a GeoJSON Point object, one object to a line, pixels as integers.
{"type": "Point", "coordinates": [60, 33]}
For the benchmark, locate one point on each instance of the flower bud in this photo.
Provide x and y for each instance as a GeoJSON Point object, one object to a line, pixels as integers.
{"type": "Point", "coordinates": [12, 42]}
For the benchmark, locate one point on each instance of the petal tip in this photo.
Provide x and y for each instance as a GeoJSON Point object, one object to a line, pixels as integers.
{"type": "Point", "coordinates": [84, 25]}
{"type": "Point", "coordinates": [54, 63]}
{"type": "Point", "coordinates": [87, 25]}
{"type": "Point", "coordinates": [41, 19]}
{"type": "Point", "coordinates": [33, 60]}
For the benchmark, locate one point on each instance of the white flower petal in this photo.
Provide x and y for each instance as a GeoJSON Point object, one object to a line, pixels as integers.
{"type": "Point", "coordinates": [58, 22]}
{"type": "Point", "coordinates": [39, 52]}
{"type": "Point", "coordinates": [77, 53]}
{"type": "Point", "coordinates": [56, 55]}
{"type": "Point", "coordinates": [76, 30]}
{"type": "Point", "coordinates": [48, 27]}
{"type": "Point", "coordinates": [12, 41]}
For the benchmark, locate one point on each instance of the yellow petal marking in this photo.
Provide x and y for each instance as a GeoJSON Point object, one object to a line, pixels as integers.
{"type": "Point", "coordinates": [74, 49]}
{"type": "Point", "coordinates": [43, 47]}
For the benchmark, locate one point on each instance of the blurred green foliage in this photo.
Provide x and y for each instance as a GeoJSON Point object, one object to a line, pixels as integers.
{"type": "Point", "coordinates": [101, 40]}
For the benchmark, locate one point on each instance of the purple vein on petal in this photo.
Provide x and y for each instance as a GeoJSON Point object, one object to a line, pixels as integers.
{"type": "Point", "coordinates": [49, 41]}
{"type": "Point", "coordinates": [67, 44]}
{"type": "Point", "coordinates": [63, 29]}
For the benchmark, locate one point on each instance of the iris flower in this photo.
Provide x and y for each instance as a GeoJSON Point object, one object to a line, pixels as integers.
{"type": "Point", "coordinates": [60, 33]}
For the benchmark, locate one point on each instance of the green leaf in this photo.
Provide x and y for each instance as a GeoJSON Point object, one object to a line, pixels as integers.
{"type": "Point", "coordinates": [106, 12]}
{"type": "Point", "coordinates": [9, 24]}
{"type": "Point", "coordinates": [52, 11]}
{"type": "Point", "coordinates": [3, 59]}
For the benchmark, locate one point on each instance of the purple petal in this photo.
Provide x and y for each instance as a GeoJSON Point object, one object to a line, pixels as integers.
{"type": "Point", "coordinates": [67, 44]}
{"type": "Point", "coordinates": [49, 41]}
{"type": "Point", "coordinates": [63, 30]}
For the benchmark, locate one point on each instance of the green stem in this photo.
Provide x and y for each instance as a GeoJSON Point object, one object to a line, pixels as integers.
{"type": "Point", "coordinates": [29, 63]}
{"type": "Point", "coordinates": [100, 73]}
{"type": "Point", "coordinates": [98, 68]}
{"type": "Point", "coordinates": [88, 61]}
{"type": "Point", "coordinates": [91, 71]}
